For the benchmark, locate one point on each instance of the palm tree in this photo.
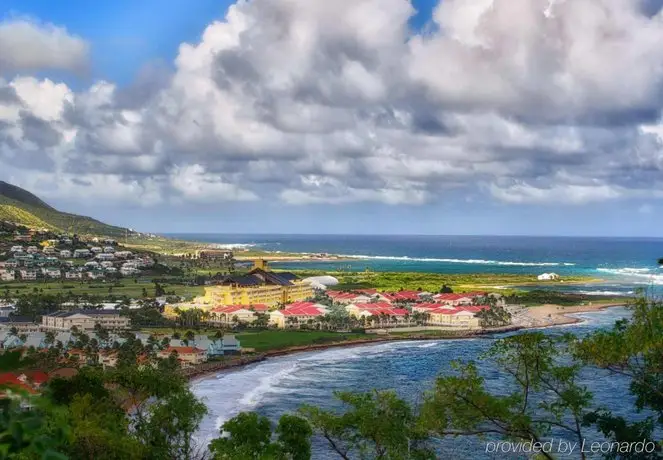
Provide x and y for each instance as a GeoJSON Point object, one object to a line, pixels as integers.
{"type": "Point", "coordinates": [49, 338]}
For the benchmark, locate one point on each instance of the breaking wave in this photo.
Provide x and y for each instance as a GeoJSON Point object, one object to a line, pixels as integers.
{"type": "Point", "coordinates": [615, 293]}
{"type": "Point", "coordinates": [644, 274]}
{"type": "Point", "coordinates": [464, 261]}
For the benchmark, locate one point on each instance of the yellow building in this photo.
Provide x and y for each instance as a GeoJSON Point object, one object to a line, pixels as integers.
{"type": "Point", "coordinates": [259, 286]}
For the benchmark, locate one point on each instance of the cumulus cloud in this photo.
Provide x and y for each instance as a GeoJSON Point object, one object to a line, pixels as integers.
{"type": "Point", "coordinates": [525, 101]}
{"type": "Point", "coordinates": [26, 45]}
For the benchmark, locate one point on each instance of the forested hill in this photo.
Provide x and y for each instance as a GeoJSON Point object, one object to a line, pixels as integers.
{"type": "Point", "coordinates": [20, 206]}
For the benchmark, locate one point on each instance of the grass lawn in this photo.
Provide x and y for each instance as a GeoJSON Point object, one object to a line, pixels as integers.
{"type": "Point", "coordinates": [276, 340]}
{"type": "Point", "coordinates": [125, 287]}
{"type": "Point", "coordinates": [271, 339]}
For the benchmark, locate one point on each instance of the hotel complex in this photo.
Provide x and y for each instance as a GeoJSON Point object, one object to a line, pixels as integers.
{"type": "Point", "coordinates": [260, 286]}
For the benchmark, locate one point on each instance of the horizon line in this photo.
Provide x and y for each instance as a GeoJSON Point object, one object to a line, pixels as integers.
{"type": "Point", "coordinates": [405, 234]}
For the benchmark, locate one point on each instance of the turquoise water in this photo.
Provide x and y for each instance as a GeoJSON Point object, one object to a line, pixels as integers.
{"type": "Point", "coordinates": [625, 263]}
{"type": "Point", "coordinates": [283, 384]}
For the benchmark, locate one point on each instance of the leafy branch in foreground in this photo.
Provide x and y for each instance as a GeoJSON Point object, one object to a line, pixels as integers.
{"type": "Point", "coordinates": [249, 436]}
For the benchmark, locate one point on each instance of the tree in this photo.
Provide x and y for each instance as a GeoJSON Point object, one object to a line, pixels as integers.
{"type": "Point", "coordinates": [159, 290]}
{"type": "Point", "coordinates": [171, 424]}
{"type": "Point", "coordinates": [249, 436]}
{"type": "Point", "coordinates": [49, 338]}
{"type": "Point", "coordinates": [189, 337]}
{"type": "Point", "coordinates": [446, 289]}
{"type": "Point", "coordinates": [101, 332]}
{"type": "Point", "coordinates": [377, 425]}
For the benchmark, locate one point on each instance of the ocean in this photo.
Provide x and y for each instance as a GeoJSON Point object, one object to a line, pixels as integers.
{"type": "Point", "coordinates": [281, 385]}
{"type": "Point", "coordinates": [625, 263]}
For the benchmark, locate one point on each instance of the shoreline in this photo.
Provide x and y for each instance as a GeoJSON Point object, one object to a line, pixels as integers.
{"type": "Point", "coordinates": [557, 317]}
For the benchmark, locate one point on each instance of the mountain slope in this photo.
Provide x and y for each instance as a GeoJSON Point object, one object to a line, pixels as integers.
{"type": "Point", "coordinates": [19, 205]}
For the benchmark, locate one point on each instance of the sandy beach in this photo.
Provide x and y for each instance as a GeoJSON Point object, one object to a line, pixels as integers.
{"type": "Point", "coordinates": [556, 315]}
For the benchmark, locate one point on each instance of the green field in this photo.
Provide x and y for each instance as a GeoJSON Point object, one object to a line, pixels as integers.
{"type": "Point", "coordinates": [267, 340]}
{"type": "Point", "coordinates": [126, 287]}
{"type": "Point", "coordinates": [394, 281]}
{"type": "Point", "coordinates": [276, 340]}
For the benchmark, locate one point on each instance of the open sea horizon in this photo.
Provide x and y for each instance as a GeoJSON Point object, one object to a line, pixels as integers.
{"type": "Point", "coordinates": [625, 263]}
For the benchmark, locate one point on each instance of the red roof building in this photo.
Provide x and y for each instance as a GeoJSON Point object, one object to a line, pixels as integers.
{"type": "Point", "coordinates": [402, 296]}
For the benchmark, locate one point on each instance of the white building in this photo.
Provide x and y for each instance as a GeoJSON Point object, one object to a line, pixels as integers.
{"type": "Point", "coordinates": [84, 320]}
{"type": "Point", "coordinates": [28, 275]}
{"type": "Point", "coordinates": [95, 275]}
{"type": "Point", "coordinates": [81, 253]}
{"type": "Point", "coordinates": [109, 250]}
{"type": "Point", "coordinates": [105, 256]}
{"type": "Point", "coordinates": [7, 275]}
{"type": "Point", "coordinates": [73, 275]}
{"type": "Point", "coordinates": [51, 272]}
{"type": "Point", "coordinates": [128, 271]}
{"type": "Point", "coordinates": [548, 277]}
{"type": "Point", "coordinates": [65, 254]}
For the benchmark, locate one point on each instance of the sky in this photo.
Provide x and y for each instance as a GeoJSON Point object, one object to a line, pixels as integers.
{"type": "Point", "coordinates": [516, 117]}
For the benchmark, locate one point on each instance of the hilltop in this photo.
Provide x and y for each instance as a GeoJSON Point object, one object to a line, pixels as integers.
{"type": "Point", "coordinates": [22, 207]}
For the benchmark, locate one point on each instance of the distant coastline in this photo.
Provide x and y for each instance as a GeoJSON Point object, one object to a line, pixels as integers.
{"type": "Point", "coordinates": [544, 316]}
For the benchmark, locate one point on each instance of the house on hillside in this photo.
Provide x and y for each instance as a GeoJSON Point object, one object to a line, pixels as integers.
{"type": "Point", "coordinates": [187, 356]}
{"type": "Point", "coordinates": [7, 275]}
{"type": "Point", "coordinates": [51, 272]}
{"type": "Point", "coordinates": [28, 274]}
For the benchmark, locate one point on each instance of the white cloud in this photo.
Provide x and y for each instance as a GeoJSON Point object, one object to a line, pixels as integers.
{"type": "Point", "coordinates": [194, 184]}
{"type": "Point", "coordinates": [526, 101]}
{"type": "Point", "coordinates": [26, 46]}
{"type": "Point", "coordinates": [555, 194]}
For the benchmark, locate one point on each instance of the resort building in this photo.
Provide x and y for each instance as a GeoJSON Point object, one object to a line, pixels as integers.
{"type": "Point", "coordinates": [22, 324]}
{"type": "Point", "coordinates": [463, 317]}
{"type": "Point", "coordinates": [353, 309]}
{"type": "Point", "coordinates": [297, 314]}
{"type": "Point", "coordinates": [455, 299]}
{"type": "Point", "coordinates": [351, 297]}
{"type": "Point", "coordinates": [237, 313]}
{"type": "Point", "coordinates": [259, 286]}
{"type": "Point", "coordinates": [84, 320]}
{"type": "Point", "coordinates": [403, 296]}
{"type": "Point", "coordinates": [380, 312]}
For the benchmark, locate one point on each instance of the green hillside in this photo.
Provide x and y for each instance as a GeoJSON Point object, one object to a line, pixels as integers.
{"type": "Point", "coordinates": [20, 206]}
